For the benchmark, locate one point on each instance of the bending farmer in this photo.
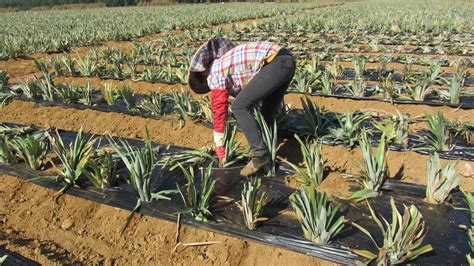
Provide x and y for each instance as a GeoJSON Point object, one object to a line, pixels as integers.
{"type": "Point", "coordinates": [252, 73]}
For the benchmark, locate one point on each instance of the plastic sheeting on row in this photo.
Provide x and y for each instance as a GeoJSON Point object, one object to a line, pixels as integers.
{"type": "Point", "coordinates": [282, 229]}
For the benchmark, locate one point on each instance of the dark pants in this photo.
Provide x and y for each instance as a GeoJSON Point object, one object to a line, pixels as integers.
{"type": "Point", "coordinates": [269, 86]}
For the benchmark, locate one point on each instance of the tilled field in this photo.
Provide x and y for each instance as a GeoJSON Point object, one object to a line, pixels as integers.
{"type": "Point", "coordinates": [84, 232]}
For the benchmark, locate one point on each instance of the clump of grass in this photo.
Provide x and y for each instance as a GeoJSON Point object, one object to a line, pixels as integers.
{"type": "Point", "coordinates": [252, 204]}
{"type": "Point", "coordinates": [440, 180]}
{"type": "Point", "coordinates": [402, 238]}
{"type": "Point", "coordinates": [196, 197]}
{"type": "Point", "coordinates": [313, 172]}
{"type": "Point", "coordinates": [373, 169]}
{"type": "Point", "coordinates": [316, 215]}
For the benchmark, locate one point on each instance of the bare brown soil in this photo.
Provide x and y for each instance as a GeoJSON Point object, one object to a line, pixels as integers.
{"type": "Point", "coordinates": [166, 131]}
{"type": "Point", "coordinates": [78, 231]}
{"type": "Point", "coordinates": [332, 104]}
{"type": "Point", "coordinates": [82, 232]}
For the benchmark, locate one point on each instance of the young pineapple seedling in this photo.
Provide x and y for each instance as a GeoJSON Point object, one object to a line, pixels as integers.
{"type": "Point", "coordinates": [46, 87]}
{"type": "Point", "coordinates": [357, 88]}
{"type": "Point", "coordinates": [32, 150]}
{"type": "Point", "coordinates": [87, 68]}
{"type": "Point", "coordinates": [27, 89]}
{"type": "Point", "coordinates": [315, 122]}
{"type": "Point", "coordinates": [326, 83]}
{"type": "Point", "coordinates": [57, 65]}
{"type": "Point", "coordinates": [6, 98]}
{"type": "Point", "coordinates": [359, 67]}
{"type": "Point", "coordinates": [6, 149]}
{"type": "Point", "coordinates": [463, 130]}
{"type": "Point", "coordinates": [140, 163]}
{"type": "Point", "coordinates": [373, 169]}
{"type": "Point", "coordinates": [336, 70]}
{"type": "Point", "coordinates": [347, 130]}
{"type": "Point", "coordinates": [85, 94]}
{"type": "Point", "coordinates": [42, 66]}
{"type": "Point", "coordinates": [126, 93]}
{"type": "Point", "coordinates": [68, 93]}
{"type": "Point", "coordinates": [186, 107]}
{"type": "Point", "coordinates": [74, 160]}
{"type": "Point", "coordinates": [394, 129]}
{"type": "Point", "coordinates": [232, 153]}
{"type": "Point", "coordinates": [313, 173]}
{"type": "Point", "coordinates": [269, 136]}
{"type": "Point", "coordinates": [187, 158]}
{"type": "Point", "coordinates": [439, 137]}
{"type": "Point", "coordinates": [154, 104]}
{"type": "Point", "coordinates": [196, 197]}
{"type": "Point", "coordinates": [110, 94]}
{"type": "Point", "coordinates": [316, 215]}
{"type": "Point", "coordinates": [69, 64]}
{"type": "Point", "coordinates": [402, 237]}
{"type": "Point", "coordinates": [206, 107]}
{"type": "Point", "coordinates": [101, 170]}
{"type": "Point", "coordinates": [470, 231]}
{"type": "Point", "coordinates": [252, 205]}
{"type": "Point", "coordinates": [388, 87]}
{"type": "Point", "coordinates": [4, 78]}
{"type": "Point", "coordinates": [440, 180]}
{"type": "Point", "coordinates": [420, 90]}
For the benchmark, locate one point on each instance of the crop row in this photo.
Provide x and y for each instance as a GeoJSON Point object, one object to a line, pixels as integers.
{"type": "Point", "coordinates": [408, 20]}
{"type": "Point", "coordinates": [148, 63]}
{"type": "Point", "coordinates": [321, 221]}
{"type": "Point", "coordinates": [342, 129]}
{"type": "Point", "coordinates": [56, 31]}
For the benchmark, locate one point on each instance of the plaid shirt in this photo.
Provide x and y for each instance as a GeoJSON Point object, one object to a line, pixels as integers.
{"type": "Point", "coordinates": [236, 67]}
{"type": "Point", "coordinates": [231, 72]}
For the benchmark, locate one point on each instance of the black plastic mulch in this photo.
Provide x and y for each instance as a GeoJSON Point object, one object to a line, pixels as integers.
{"type": "Point", "coordinates": [283, 230]}
{"type": "Point", "coordinates": [461, 151]}
{"type": "Point", "coordinates": [14, 259]}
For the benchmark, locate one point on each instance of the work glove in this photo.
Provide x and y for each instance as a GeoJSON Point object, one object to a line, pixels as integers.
{"type": "Point", "coordinates": [219, 141]}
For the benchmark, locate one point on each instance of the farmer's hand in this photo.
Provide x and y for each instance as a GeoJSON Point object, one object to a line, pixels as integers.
{"type": "Point", "coordinates": [219, 141]}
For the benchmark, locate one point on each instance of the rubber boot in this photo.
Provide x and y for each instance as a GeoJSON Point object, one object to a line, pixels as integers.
{"type": "Point", "coordinates": [256, 164]}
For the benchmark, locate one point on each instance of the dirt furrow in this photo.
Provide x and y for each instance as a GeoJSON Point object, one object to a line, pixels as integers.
{"type": "Point", "coordinates": [339, 159]}
{"type": "Point", "coordinates": [331, 104]}
{"type": "Point", "coordinates": [82, 231]}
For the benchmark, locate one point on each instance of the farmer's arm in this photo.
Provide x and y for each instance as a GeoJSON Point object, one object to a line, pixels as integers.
{"type": "Point", "coordinates": [219, 98]}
